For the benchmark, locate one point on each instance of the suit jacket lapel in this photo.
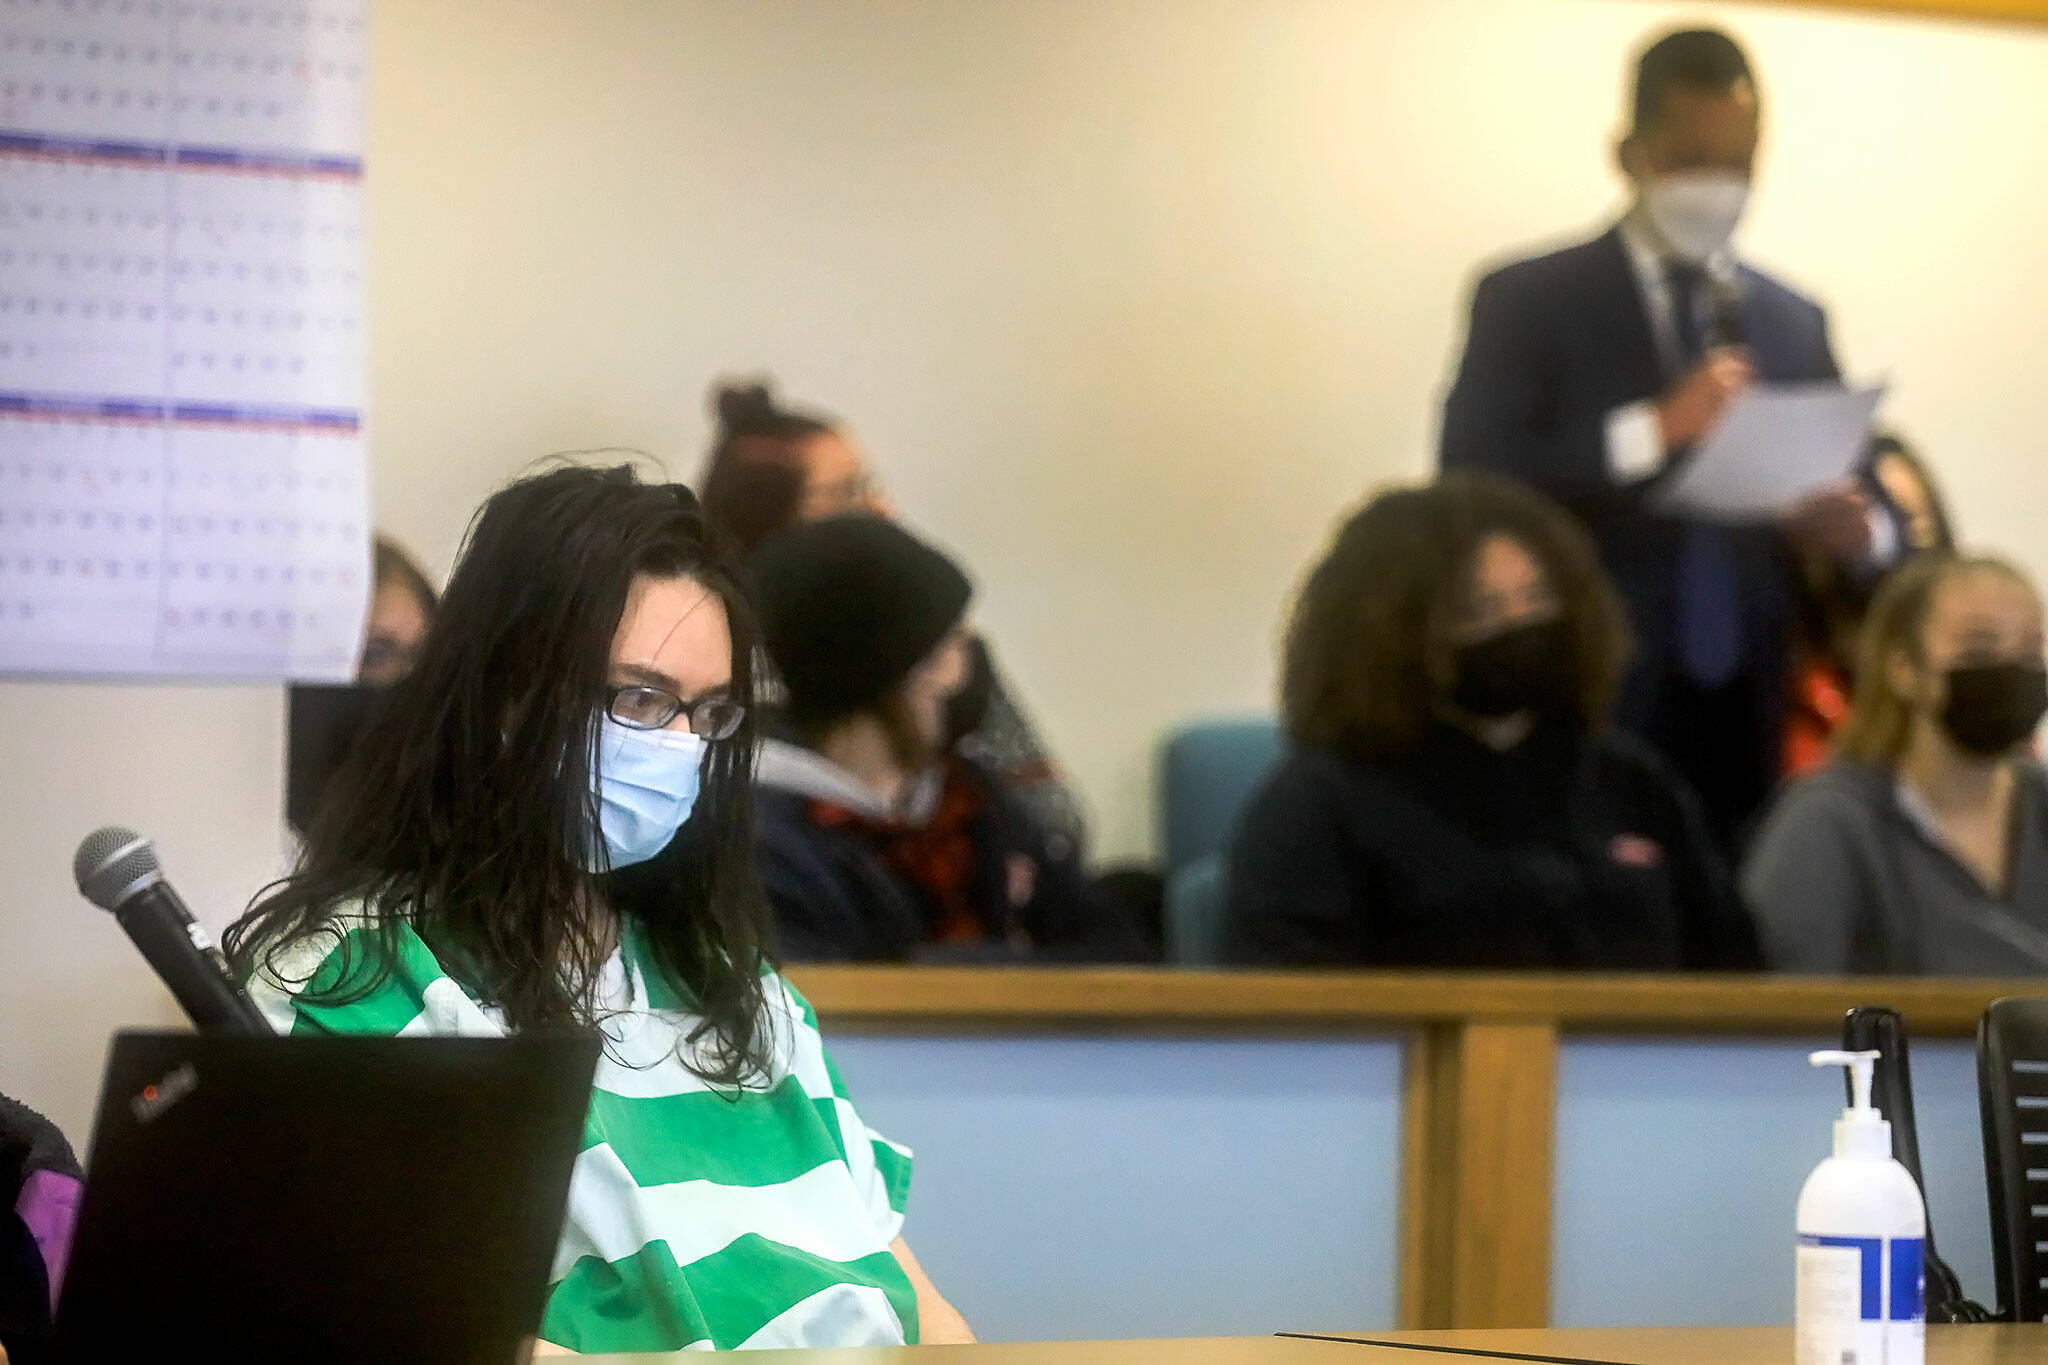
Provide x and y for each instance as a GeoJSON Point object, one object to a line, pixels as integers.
{"type": "Point", "coordinates": [1615, 301]}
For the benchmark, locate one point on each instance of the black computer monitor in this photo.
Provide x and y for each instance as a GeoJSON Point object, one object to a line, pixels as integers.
{"type": "Point", "coordinates": [324, 1198]}
{"type": "Point", "coordinates": [323, 725]}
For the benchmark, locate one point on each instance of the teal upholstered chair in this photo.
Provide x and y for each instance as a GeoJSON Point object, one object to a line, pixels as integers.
{"type": "Point", "coordinates": [1208, 771]}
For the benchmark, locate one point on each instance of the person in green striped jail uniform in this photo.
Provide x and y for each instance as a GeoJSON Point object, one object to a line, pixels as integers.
{"type": "Point", "coordinates": [548, 825]}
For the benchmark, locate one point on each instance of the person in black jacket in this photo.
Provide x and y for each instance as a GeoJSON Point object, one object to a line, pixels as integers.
{"type": "Point", "coordinates": [1455, 797]}
{"type": "Point", "coordinates": [877, 841]}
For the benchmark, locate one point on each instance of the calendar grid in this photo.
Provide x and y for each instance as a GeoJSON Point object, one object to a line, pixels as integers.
{"type": "Point", "coordinates": [159, 636]}
{"type": "Point", "coordinates": [45, 147]}
{"type": "Point", "coordinates": [67, 407]}
{"type": "Point", "coordinates": [181, 357]}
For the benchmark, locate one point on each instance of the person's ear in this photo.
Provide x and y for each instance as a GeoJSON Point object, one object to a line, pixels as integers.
{"type": "Point", "coordinates": [1628, 157]}
{"type": "Point", "coordinates": [1904, 676]}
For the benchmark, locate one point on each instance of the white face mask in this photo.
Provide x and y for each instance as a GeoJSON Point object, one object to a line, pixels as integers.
{"type": "Point", "coordinates": [1695, 212]}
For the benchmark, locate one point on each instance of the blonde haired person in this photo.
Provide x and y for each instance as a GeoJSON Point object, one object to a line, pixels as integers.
{"type": "Point", "coordinates": [1923, 846]}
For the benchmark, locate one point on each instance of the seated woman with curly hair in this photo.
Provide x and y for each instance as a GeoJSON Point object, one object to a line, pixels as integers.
{"type": "Point", "coordinates": [1455, 796]}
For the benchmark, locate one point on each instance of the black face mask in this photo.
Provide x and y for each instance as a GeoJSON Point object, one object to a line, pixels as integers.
{"type": "Point", "coordinates": [1993, 707]}
{"type": "Point", "coordinates": [1529, 668]}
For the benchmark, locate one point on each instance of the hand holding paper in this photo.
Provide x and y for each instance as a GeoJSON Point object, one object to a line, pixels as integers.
{"type": "Point", "coordinates": [1834, 521]}
{"type": "Point", "coordinates": [1772, 448]}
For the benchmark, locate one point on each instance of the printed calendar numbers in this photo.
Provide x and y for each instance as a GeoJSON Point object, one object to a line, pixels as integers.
{"type": "Point", "coordinates": [181, 341]}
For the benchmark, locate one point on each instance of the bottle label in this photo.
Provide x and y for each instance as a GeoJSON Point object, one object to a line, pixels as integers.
{"type": "Point", "coordinates": [1859, 1301]}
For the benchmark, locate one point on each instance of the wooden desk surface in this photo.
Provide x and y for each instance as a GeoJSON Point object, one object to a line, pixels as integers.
{"type": "Point", "coordinates": [2027, 1345]}
{"type": "Point", "coordinates": [1995, 1345]}
{"type": "Point", "coordinates": [1218, 1351]}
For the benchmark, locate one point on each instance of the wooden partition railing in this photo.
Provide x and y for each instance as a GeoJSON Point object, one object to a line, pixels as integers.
{"type": "Point", "coordinates": [1479, 1085]}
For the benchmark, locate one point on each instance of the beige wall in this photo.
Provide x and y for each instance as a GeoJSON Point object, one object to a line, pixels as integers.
{"type": "Point", "coordinates": [1127, 297]}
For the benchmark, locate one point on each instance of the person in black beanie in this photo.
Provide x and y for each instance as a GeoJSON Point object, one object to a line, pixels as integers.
{"type": "Point", "coordinates": [773, 466]}
{"type": "Point", "coordinates": [877, 841]}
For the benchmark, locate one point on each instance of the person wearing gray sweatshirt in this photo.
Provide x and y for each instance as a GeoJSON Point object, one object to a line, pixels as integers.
{"type": "Point", "coordinates": [1923, 847]}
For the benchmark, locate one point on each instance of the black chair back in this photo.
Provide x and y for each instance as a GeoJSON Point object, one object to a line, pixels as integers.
{"type": "Point", "coordinates": [1875, 1028]}
{"type": "Point", "coordinates": [2012, 1086]}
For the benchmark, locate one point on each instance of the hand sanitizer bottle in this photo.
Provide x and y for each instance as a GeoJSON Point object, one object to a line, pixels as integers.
{"type": "Point", "coordinates": [1861, 1229]}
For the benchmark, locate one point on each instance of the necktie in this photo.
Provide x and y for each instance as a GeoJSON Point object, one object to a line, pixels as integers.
{"type": "Point", "coordinates": [1688, 283]}
{"type": "Point", "coordinates": [1710, 644]}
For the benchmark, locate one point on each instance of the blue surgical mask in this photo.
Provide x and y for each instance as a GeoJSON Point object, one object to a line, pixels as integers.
{"type": "Point", "coordinates": [647, 783]}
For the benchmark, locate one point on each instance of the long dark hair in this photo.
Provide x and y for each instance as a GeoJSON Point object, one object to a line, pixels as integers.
{"type": "Point", "coordinates": [754, 476]}
{"type": "Point", "coordinates": [463, 810]}
{"type": "Point", "coordinates": [1369, 651]}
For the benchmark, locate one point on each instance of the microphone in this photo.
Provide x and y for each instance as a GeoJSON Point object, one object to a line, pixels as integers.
{"type": "Point", "coordinates": [1726, 325]}
{"type": "Point", "coordinates": [117, 870]}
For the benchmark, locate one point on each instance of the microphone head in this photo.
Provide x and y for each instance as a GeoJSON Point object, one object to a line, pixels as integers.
{"type": "Point", "coordinates": [111, 863]}
{"type": "Point", "coordinates": [1730, 326]}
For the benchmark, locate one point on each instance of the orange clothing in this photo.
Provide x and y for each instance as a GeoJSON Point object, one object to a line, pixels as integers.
{"type": "Point", "coordinates": [1820, 703]}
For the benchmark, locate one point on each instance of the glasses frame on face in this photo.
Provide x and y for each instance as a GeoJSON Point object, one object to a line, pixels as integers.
{"type": "Point", "coordinates": [1480, 615]}
{"type": "Point", "coordinates": [711, 718]}
{"type": "Point", "coordinates": [840, 497]}
{"type": "Point", "coordinates": [385, 653]}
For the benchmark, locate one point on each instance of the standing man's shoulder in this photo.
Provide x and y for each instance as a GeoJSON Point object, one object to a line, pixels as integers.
{"type": "Point", "coordinates": [1790, 330]}
{"type": "Point", "coordinates": [1768, 292]}
{"type": "Point", "coordinates": [1787, 330]}
{"type": "Point", "coordinates": [1552, 272]}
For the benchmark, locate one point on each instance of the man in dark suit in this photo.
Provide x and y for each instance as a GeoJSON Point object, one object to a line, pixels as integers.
{"type": "Point", "coordinates": [1590, 373]}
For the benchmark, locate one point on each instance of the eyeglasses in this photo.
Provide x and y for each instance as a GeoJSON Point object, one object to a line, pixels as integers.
{"type": "Point", "coordinates": [651, 708]}
{"type": "Point", "coordinates": [842, 495]}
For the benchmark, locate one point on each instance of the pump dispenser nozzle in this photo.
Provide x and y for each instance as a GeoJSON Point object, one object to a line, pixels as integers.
{"type": "Point", "coordinates": [1861, 1131]}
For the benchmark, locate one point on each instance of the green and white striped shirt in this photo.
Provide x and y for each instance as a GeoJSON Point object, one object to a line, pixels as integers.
{"type": "Point", "coordinates": [698, 1219]}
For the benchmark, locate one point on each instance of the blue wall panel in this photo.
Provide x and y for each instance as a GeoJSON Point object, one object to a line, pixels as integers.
{"type": "Point", "coordinates": [1679, 1164]}
{"type": "Point", "coordinates": [1077, 1186]}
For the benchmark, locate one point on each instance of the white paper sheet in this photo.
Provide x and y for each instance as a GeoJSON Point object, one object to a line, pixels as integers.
{"type": "Point", "coordinates": [1773, 447]}
{"type": "Point", "coordinates": [182, 488]}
